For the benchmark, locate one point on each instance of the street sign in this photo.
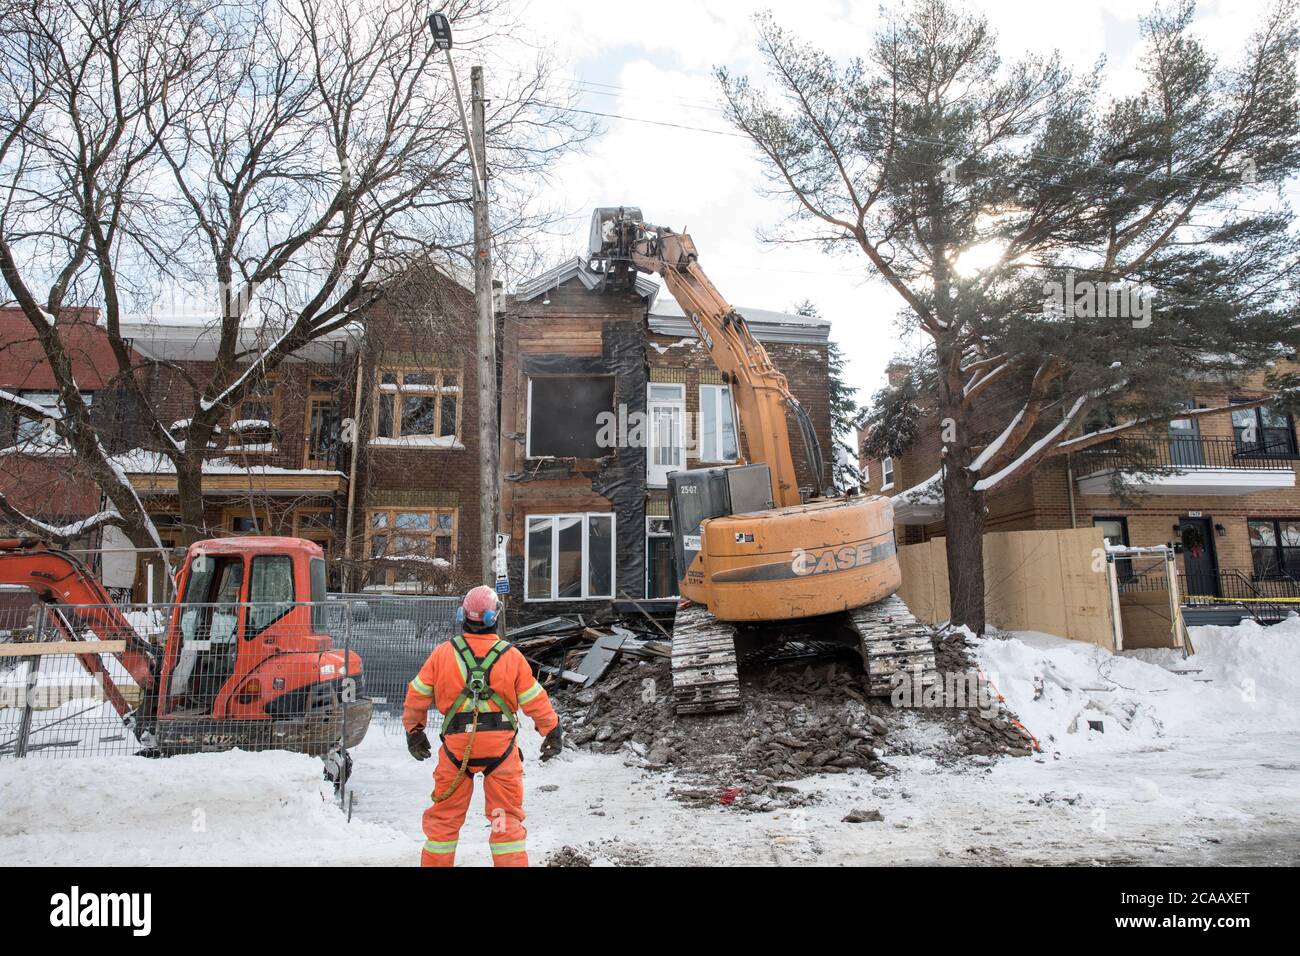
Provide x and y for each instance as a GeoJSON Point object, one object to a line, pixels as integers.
{"type": "Point", "coordinates": [440, 27]}
{"type": "Point", "coordinates": [503, 586]}
{"type": "Point", "coordinates": [499, 564]}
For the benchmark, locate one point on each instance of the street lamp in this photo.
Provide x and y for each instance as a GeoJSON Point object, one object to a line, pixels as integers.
{"type": "Point", "coordinates": [440, 27]}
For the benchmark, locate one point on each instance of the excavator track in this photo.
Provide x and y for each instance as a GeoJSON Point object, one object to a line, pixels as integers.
{"type": "Point", "coordinates": [705, 669]}
{"type": "Point", "coordinates": [893, 642]}
{"type": "Point", "coordinates": [705, 676]}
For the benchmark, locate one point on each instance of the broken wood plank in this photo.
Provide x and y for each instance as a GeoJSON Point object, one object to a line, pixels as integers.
{"type": "Point", "coordinates": [62, 647]}
{"type": "Point", "coordinates": [571, 676]}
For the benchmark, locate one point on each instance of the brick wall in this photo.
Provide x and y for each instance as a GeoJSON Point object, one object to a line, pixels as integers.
{"type": "Point", "coordinates": [425, 323]}
{"type": "Point", "coordinates": [573, 330]}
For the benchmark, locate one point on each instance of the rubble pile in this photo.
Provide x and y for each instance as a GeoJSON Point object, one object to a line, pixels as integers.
{"type": "Point", "coordinates": [612, 684]}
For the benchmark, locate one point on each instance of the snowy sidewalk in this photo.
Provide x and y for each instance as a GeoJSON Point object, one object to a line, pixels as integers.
{"type": "Point", "coordinates": [1205, 773]}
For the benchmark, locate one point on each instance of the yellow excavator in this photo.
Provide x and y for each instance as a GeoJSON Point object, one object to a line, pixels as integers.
{"type": "Point", "coordinates": [765, 567]}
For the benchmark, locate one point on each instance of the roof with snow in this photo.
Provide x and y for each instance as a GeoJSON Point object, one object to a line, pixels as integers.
{"type": "Point", "coordinates": [193, 334]}
{"type": "Point", "coordinates": [577, 268]}
{"type": "Point", "coordinates": [667, 318]}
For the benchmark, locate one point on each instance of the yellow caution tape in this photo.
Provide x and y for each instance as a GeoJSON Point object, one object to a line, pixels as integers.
{"type": "Point", "coordinates": [1206, 597]}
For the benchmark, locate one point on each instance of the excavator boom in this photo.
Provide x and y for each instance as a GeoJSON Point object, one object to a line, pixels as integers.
{"type": "Point", "coordinates": [627, 243]}
{"type": "Point", "coordinates": [80, 605]}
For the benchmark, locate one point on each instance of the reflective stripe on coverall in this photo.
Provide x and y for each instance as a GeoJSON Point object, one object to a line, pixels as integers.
{"type": "Point", "coordinates": [440, 682]}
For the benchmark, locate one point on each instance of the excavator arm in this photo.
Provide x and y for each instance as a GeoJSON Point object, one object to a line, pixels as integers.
{"type": "Point", "coordinates": [627, 244]}
{"type": "Point", "coordinates": [78, 605]}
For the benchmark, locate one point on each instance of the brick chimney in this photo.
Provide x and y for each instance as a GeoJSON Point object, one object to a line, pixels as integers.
{"type": "Point", "coordinates": [897, 372]}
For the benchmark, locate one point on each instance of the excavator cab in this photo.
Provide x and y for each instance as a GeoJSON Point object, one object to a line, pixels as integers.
{"type": "Point", "coordinates": [209, 621]}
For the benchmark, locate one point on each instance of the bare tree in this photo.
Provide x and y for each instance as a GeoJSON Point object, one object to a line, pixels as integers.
{"type": "Point", "coordinates": [976, 188]}
{"type": "Point", "coordinates": [275, 160]}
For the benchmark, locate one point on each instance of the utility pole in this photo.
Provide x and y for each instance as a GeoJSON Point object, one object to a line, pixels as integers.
{"type": "Point", "coordinates": [489, 444]}
{"type": "Point", "coordinates": [486, 359]}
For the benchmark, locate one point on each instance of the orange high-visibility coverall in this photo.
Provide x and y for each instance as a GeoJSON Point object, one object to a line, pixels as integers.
{"type": "Point", "coordinates": [439, 683]}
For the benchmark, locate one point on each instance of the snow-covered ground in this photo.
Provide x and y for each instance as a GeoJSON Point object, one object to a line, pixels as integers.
{"type": "Point", "coordinates": [1197, 767]}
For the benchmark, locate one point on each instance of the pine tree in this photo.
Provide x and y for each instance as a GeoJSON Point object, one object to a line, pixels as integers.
{"type": "Point", "coordinates": [1065, 253]}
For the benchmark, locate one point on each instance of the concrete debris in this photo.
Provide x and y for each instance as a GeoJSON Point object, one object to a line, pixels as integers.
{"type": "Point", "coordinates": [798, 721]}
{"type": "Point", "coordinates": [568, 856]}
{"type": "Point", "coordinates": [863, 816]}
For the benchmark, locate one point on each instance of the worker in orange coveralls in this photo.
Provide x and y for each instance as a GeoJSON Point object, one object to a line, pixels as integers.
{"type": "Point", "coordinates": [477, 681]}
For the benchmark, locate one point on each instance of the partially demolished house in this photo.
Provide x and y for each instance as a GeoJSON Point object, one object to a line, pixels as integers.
{"type": "Point", "coordinates": [603, 393]}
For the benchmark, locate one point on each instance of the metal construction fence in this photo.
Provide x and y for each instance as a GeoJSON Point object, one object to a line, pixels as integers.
{"type": "Point", "coordinates": [164, 679]}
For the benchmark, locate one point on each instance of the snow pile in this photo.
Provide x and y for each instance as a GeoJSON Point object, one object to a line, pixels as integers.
{"type": "Point", "coordinates": [222, 809]}
{"type": "Point", "coordinates": [1243, 680]}
{"type": "Point", "coordinates": [1257, 663]}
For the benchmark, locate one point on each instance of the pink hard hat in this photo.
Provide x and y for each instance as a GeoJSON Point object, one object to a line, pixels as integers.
{"type": "Point", "coordinates": [481, 605]}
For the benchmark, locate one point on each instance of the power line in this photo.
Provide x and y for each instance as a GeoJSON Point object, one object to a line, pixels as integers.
{"type": "Point", "coordinates": [582, 86]}
{"type": "Point", "coordinates": [637, 119]}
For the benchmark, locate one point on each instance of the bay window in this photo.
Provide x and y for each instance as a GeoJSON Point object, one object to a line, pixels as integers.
{"type": "Point", "coordinates": [402, 541]}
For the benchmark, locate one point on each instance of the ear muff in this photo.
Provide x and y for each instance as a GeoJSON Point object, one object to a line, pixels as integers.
{"type": "Point", "coordinates": [460, 618]}
{"type": "Point", "coordinates": [490, 617]}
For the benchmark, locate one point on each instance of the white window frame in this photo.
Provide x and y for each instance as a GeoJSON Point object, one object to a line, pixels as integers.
{"type": "Point", "coordinates": [52, 402]}
{"type": "Point", "coordinates": [886, 473]}
{"type": "Point", "coordinates": [648, 536]}
{"type": "Point", "coordinates": [555, 554]}
{"type": "Point", "coordinates": [718, 405]}
{"type": "Point", "coordinates": [653, 478]}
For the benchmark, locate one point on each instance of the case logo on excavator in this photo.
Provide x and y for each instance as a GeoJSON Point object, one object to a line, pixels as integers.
{"type": "Point", "coordinates": [809, 561]}
{"type": "Point", "coordinates": [827, 560]}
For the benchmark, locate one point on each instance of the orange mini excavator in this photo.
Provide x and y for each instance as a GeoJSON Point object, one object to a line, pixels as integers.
{"type": "Point", "coordinates": [761, 563]}
{"type": "Point", "coordinates": [244, 660]}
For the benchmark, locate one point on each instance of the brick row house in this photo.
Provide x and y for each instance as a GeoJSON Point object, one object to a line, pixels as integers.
{"type": "Point", "coordinates": [1225, 490]}
{"type": "Point", "coordinates": [41, 482]}
{"type": "Point", "coordinates": [366, 441]}
{"type": "Point", "coordinates": [399, 388]}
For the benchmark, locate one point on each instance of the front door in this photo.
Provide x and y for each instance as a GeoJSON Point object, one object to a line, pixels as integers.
{"type": "Point", "coordinates": [666, 418]}
{"type": "Point", "coordinates": [1197, 536]}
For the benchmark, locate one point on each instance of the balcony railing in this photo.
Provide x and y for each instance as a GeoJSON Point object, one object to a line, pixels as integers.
{"type": "Point", "coordinates": [1267, 598]}
{"type": "Point", "coordinates": [1162, 452]}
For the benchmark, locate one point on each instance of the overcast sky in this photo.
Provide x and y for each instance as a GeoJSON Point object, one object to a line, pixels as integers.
{"type": "Point", "coordinates": [653, 62]}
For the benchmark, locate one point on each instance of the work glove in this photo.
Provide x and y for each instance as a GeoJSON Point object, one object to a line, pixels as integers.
{"type": "Point", "coordinates": [551, 744]}
{"type": "Point", "coordinates": [418, 744]}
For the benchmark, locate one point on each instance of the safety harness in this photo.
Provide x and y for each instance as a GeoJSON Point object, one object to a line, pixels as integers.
{"type": "Point", "coordinates": [472, 709]}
